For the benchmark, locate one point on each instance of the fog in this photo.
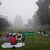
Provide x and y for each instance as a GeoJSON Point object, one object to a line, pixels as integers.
{"type": "Point", "coordinates": [25, 13]}
{"type": "Point", "coordinates": [12, 8]}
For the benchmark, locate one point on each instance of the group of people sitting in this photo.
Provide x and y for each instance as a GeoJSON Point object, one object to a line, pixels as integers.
{"type": "Point", "coordinates": [14, 37]}
{"type": "Point", "coordinates": [43, 32]}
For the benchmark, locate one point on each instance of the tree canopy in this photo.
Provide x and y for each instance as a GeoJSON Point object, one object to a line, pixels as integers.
{"type": "Point", "coordinates": [3, 23]}
{"type": "Point", "coordinates": [43, 12]}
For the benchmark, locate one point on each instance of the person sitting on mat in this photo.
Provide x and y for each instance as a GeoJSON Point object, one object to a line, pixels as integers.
{"type": "Point", "coordinates": [19, 36]}
{"type": "Point", "coordinates": [13, 40]}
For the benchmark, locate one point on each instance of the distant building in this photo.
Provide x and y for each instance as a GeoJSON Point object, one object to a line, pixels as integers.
{"type": "Point", "coordinates": [18, 22]}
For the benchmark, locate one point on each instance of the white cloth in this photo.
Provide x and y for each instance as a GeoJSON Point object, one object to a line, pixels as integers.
{"type": "Point", "coordinates": [8, 45]}
{"type": "Point", "coordinates": [38, 32]}
{"type": "Point", "coordinates": [14, 34]}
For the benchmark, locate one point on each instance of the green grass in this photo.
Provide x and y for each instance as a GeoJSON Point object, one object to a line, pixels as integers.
{"type": "Point", "coordinates": [40, 43]}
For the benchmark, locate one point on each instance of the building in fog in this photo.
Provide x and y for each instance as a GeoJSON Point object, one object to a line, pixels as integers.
{"type": "Point", "coordinates": [18, 22]}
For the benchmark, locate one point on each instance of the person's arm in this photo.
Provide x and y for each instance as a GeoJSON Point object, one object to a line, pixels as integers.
{"type": "Point", "coordinates": [16, 37]}
{"type": "Point", "coordinates": [10, 40]}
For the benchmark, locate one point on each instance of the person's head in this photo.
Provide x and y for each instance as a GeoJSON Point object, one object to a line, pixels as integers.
{"type": "Point", "coordinates": [18, 33]}
{"type": "Point", "coordinates": [10, 34]}
{"type": "Point", "coordinates": [13, 36]}
{"type": "Point", "coordinates": [39, 30]}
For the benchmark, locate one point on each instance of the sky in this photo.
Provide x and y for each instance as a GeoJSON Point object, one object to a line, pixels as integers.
{"type": "Point", "coordinates": [12, 8]}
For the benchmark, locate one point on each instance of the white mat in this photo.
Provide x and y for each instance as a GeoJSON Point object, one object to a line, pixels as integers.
{"type": "Point", "coordinates": [8, 45]}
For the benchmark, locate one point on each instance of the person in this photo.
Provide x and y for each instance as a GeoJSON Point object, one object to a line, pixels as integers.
{"type": "Point", "coordinates": [9, 36]}
{"type": "Point", "coordinates": [10, 33]}
{"type": "Point", "coordinates": [19, 35]}
{"type": "Point", "coordinates": [13, 40]}
{"type": "Point", "coordinates": [45, 33]}
{"type": "Point", "coordinates": [39, 31]}
{"type": "Point", "coordinates": [0, 36]}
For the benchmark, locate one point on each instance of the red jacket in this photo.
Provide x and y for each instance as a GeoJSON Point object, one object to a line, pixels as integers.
{"type": "Point", "coordinates": [13, 40]}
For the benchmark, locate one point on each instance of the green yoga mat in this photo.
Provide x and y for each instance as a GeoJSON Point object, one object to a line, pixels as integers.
{"type": "Point", "coordinates": [28, 33]}
{"type": "Point", "coordinates": [5, 40]}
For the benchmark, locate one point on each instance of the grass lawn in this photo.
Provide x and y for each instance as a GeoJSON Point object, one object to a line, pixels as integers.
{"type": "Point", "coordinates": [40, 43]}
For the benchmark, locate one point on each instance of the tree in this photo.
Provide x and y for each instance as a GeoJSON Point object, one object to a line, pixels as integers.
{"type": "Point", "coordinates": [34, 21]}
{"type": "Point", "coordinates": [0, 3]}
{"type": "Point", "coordinates": [44, 11]}
{"type": "Point", "coordinates": [3, 23]}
